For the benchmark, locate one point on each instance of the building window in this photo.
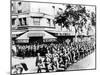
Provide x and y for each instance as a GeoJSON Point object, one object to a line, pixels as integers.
{"type": "Point", "coordinates": [20, 7]}
{"type": "Point", "coordinates": [12, 7]}
{"type": "Point", "coordinates": [20, 20]}
{"type": "Point", "coordinates": [19, 11]}
{"type": "Point", "coordinates": [24, 19]}
{"type": "Point", "coordinates": [48, 22]}
{"type": "Point", "coordinates": [13, 21]}
{"type": "Point", "coordinates": [36, 21]}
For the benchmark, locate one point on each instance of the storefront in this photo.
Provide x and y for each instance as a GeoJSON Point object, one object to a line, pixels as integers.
{"type": "Point", "coordinates": [61, 35]}
{"type": "Point", "coordinates": [32, 37]}
{"type": "Point", "coordinates": [16, 34]}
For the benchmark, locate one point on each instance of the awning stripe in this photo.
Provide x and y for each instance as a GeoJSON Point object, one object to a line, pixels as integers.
{"type": "Point", "coordinates": [46, 36]}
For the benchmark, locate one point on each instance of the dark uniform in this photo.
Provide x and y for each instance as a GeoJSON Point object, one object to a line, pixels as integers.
{"type": "Point", "coordinates": [39, 63]}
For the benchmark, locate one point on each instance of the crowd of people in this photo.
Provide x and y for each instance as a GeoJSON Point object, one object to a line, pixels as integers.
{"type": "Point", "coordinates": [31, 50]}
{"type": "Point", "coordinates": [56, 56]}
{"type": "Point", "coordinates": [60, 56]}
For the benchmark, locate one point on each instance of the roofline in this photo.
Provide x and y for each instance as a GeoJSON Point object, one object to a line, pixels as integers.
{"type": "Point", "coordinates": [28, 14]}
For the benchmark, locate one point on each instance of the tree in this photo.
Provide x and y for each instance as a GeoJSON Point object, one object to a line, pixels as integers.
{"type": "Point", "coordinates": [74, 15]}
{"type": "Point", "coordinates": [93, 18]}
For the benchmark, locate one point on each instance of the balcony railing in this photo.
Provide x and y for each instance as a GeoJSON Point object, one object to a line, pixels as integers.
{"type": "Point", "coordinates": [25, 27]}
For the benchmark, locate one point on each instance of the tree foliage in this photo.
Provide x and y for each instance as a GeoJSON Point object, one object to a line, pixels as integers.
{"type": "Point", "coordinates": [73, 14]}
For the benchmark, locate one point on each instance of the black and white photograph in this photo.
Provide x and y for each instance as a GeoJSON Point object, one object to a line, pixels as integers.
{"type": "Point", "coordinates": [52, 37]}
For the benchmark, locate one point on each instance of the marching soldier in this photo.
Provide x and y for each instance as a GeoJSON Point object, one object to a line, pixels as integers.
{"type": "Point", "coordinates": [55, 61]}
{"type": "Point", "coordinates": [39, 63]}
{"type": "Point", "coordinates": [47, 62]}
{"type": "Point", "coordinates": [74, 56]}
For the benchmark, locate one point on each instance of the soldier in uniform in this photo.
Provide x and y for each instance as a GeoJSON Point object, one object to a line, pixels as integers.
{"type": "Point", "coordinates": [39, 63]}
{"type": "Point", "coordinates": [66, 59]}
{"type": "Point", "coordinates": [74, 56]}
{"type": "Point", "coordinates": [47, 61]}
{"type": "Point", "coordinates": [55, 61]}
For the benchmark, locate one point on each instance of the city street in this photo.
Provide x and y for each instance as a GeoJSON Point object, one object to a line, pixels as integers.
{"type": "Point", "coordinates": [86, 63]}
{"type": "Point", "coordinates": [50, 37]}
{"type": "Point", "coordinates": [30, 62]}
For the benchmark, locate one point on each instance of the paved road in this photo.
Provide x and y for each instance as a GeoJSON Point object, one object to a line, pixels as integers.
{"type": "Point", "coordinates": [29, 61]}
{"type": "Point", "coordinates": [86, 63]}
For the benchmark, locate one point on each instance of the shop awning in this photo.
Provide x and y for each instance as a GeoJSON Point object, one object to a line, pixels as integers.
{"type": "Point", "coordinates": [43, 34]}
{"type": "Point", "coordinates": [35, 34]}
{"type": "Point", "coordinates": [59, 33]}
{"type": "Point", "coordinates": [16, 33]}
{"type": "Point", "coordinates": [48, 37]}
{"type": "Point", "coordinates": [25, 37]}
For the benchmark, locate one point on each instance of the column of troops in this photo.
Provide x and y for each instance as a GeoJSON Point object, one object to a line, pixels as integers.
{"type": "Point", "coordinates": [60, 56]}
{"type": "Point", "coordinates": [56, 56]}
